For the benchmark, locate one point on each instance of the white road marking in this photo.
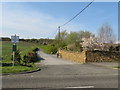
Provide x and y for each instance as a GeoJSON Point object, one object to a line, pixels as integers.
{"type": "Point", "coordinates": [82, 87]}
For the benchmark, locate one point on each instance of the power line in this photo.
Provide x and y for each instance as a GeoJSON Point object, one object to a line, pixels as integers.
{"type": "Point", "coordinates": [73, 18]}
{"type": "Point", "coordinates": [77, 14]}
{"type": "Point", "coordinates": [54, 33]}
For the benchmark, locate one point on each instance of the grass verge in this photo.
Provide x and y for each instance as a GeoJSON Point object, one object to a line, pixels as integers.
{"type": "Point", "coordinates": [117, 67]}
{"type": "Point", "coordinates": [16, 69]}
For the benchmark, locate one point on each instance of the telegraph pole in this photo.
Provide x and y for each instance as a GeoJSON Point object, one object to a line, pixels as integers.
{"type": "Point", "coordinates": [59, 33]}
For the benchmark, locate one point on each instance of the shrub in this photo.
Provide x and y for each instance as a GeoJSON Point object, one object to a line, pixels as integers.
{"type": "Point", "coordinates": [35, 50]}
{"type": "Point", "coordinates": [30, 58]}
{"type": "Point", "coordinates": [54, 50]}
{"type": "Point", "coordinates": [50, 49]}
{"type": "Point", "coordinates": [62, 44]}
{"type": "Point", "coordinates": [75, 47]}
{"type": "Point", "coordinates": [71, 47]}
{"type": "Point", "coordinates": [17, 57]}
{"type": "Point", "coordinates": [53, 47]}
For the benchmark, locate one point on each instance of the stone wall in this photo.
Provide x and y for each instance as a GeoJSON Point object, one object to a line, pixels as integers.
{"type": "Point", "coordinates": [90, 56]}
{"type": "Point", "coordinates": [102, 56]}
{"type": "Point", "coordinates": [73, 56]}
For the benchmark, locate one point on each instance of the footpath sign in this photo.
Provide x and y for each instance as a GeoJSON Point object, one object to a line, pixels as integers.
{"type": "Point", "coordinates": [14, 40]}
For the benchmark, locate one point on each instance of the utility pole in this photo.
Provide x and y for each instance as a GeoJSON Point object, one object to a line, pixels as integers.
{"type": "Point", "coordinates": [59, 33]}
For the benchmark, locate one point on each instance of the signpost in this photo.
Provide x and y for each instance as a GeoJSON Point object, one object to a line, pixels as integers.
{"type": "Point", "coordinates": [14, 40]}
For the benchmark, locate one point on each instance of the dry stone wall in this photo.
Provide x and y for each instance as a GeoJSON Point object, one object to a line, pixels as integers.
{"type": "Point", "coordinates": [89, 56]}
{"type": "Point", "coordinates": [73, 56]}
{"type": "Point", "coordinates": [102, 56]}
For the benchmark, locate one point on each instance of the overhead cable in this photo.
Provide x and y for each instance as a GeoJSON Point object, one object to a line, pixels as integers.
{"type": "Point", "coordinates": [77, 14]}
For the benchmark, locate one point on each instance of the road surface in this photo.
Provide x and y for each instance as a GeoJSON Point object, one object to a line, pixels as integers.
{"type": "Point", "coordinates": [60, 73]}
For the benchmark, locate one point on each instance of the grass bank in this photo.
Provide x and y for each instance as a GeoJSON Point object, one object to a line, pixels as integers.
{"type": "Point", "coordinates": [16, 69]}
{"type": "Point", "coordinates": [24, 48]}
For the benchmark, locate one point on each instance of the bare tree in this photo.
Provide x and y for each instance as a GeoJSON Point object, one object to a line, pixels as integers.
{"type": "Point", "coordinates": [105, 34]}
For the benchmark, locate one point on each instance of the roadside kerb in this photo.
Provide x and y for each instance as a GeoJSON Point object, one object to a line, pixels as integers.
{"type": "Point", "coordinates": [38, 69]}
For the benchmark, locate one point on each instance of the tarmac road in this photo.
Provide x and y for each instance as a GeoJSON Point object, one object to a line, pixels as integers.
{"type": "Point", "coordinates": [60, 73]}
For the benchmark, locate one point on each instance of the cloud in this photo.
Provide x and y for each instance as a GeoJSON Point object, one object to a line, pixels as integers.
{"type": "Point", "coordinates": [32, 24]}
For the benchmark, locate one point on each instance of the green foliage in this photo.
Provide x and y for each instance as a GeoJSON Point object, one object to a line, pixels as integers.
{"type": "Point", "coordinates": [79, 47]}
{"type": "Point", "coordinates": [72, 40]}
{"type": "Point", "coordinates": [17, 57]}
{"type": "Point", "coordinates": [72, 37]}
{"type": "Point", "coordinates": [117, 67]}
{"type": "Point", "coordinates": [40, 41]}
{"type": "Point", "coordinates": [24, 47]}
{"type": "Point", "coordinates": [75, 47]}
{"type": "Point", "coordinates": [63, 35]}
{"type": "Point", "coordinates": [5, 39]}
{"type": "Point", "coordinates": [30, 58]}
{"type": "Point", "coordinates": [62, 44]}
{"type": "Point", "coordinates": [71, 47]}
{"type": "Point", "coordinates": [85, 34]}
{"type": "Point", "coordinates": [52, 48]}
{"type": "Point", "coordinates": [49, 49]}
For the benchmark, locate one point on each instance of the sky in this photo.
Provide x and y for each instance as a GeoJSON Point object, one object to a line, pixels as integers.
{"type": "Point", "coordinates": [41, 19]}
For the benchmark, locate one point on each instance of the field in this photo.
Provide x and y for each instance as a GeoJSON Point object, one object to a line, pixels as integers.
{"type": "Point", "coordinates": [23, 47]}
{"type": "Point", "coordinates": [48, 49]}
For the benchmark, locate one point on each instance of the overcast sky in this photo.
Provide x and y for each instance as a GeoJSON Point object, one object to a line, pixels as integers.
{"type": "Point", "coordinates": [41, 19]}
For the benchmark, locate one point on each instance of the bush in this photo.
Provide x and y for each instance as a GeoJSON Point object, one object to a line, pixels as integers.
{"type": "Point", "coordinates": [53, 47]}
{"type": "Point", "coordinates": [50, 49]}
{"type": "Point", "coordinates": [71, 47]}
{"type": "Point", "coordinates": [30, 58]}
{"type": "Point", "coordinates": [61, 45]}
{"type": "Point", "coordinates": [17, 57]}
{"type": "Point", "coordinates": [53, 50]}
{"type": "Point", "coordinates": [75, 47]}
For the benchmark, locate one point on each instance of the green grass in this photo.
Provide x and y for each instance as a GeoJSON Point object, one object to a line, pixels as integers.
{"type": "Point", "coordinates": [48, 49]}
{"type": "Point", "coordinates": [16, 69]}
{"type": "Point", "coordinates": [116, 67]}
{"type": "Point", "coordinates": [24, 48]}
